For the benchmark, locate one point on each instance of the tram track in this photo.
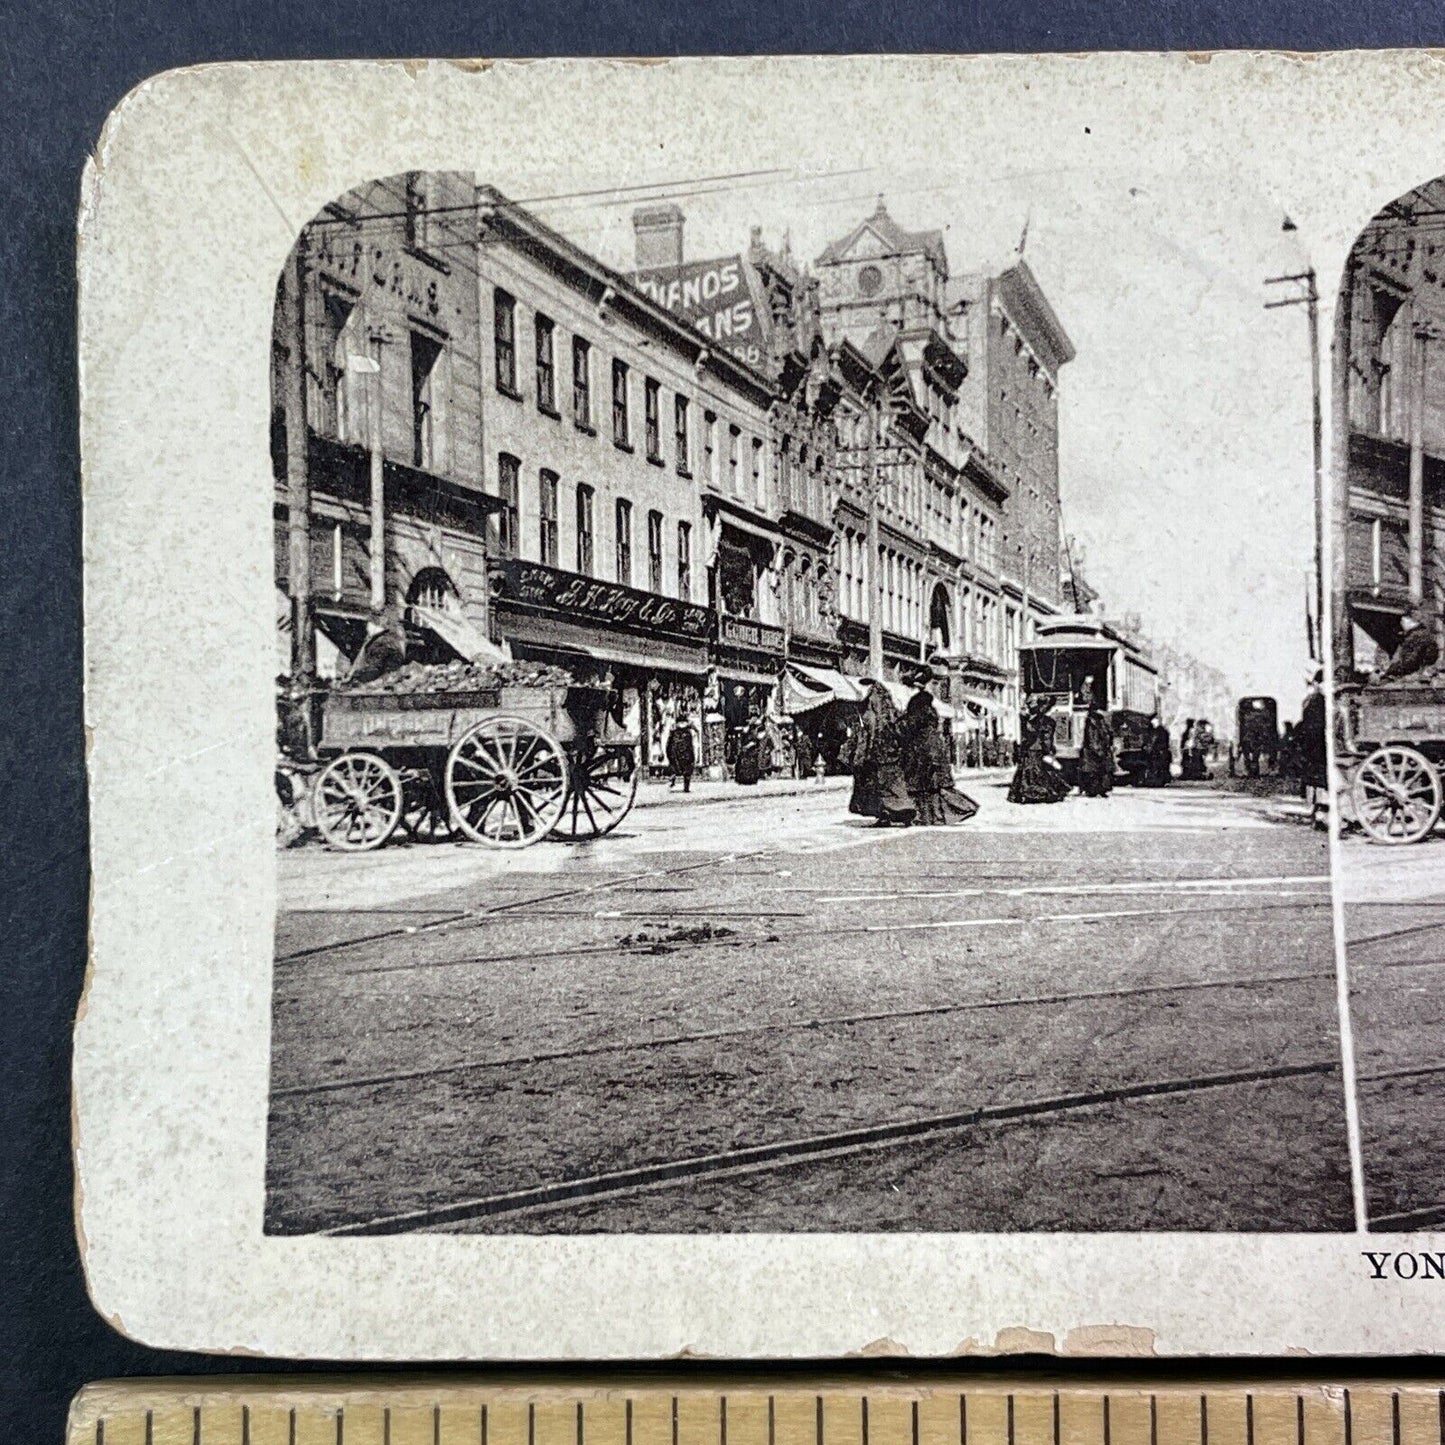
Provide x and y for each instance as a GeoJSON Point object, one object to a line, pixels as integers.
{"type": "Point", "coordinates": [465, 1066]}
{"type": "Point", "coordinates": [661, 917]}
{"type": "Point", "coordinates": [732, 1163]}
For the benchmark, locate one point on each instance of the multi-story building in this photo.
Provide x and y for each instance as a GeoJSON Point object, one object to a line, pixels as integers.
{"type": "Point", "coordinates": [884, 296]}
{"type": "Point", "coordinates": [631, 459]}
{"type": "Point", "coordinates": [1389, 418]}
{"type": "Point", "coordinates": [377, 409]}
{"type": "Point", "coordinates": [774, 587]}
{"type": "Point", "coordinates": [1009, 406]}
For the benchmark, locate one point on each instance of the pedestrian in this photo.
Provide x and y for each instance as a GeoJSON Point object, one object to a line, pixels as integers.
{"type": "Point", "coordinates": [1186, 748]}
{"type": "Point", "coordinates": [1311, 745]}
{"type": "Point", "coordinates": [681, 751]}
{"type": "Point", "coordinates": [927, 771]}
{"type": "Point", "coordinates": [1096, 750]}
{"type": "Point", "coordinates": [879, 789]}
{"type": "Point", "coordinates": [1037, 778]}
{"type": "Point", "coordinates": [1160, 768]}
{"type": "Point", "coordinates": [748, 768]}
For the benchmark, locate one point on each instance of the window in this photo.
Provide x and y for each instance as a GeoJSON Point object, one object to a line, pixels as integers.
{"type": "Point", "coordinates": [654, 551]}
{"type": "Point", "coordinates": [624, 541]}
{"type": "Point", "coordinates": [584, 529]}
{"type": "Point", "coordinates": [339, 415]}
{"type": "Point", "coordinates": [504, 335]}
{"type": "Point", "coordinates": [619, 404]}
{"type": "Point", "coordinates": [547, 517]}
{"type": "Point", "coordinates": [679, 431]}
{"type": "Point", "coordinates": [734, 436]}
{"type": "Point", "coordinates": [425, 353]}
{"type": "Point", "coordinates": [546, 366]}
{"type": "Point", "coordinates": [508, 486]}
{"type": "Point", "coordinates": [709, 448]}
{"type": "Point", "coordinates": [684, 560]}
{"type": "Point", "coordinates": [759, 500]}
{"type": "Point", "coordinates": [582, 383]}
{"type": "Point", "coordinates": [651, 424]}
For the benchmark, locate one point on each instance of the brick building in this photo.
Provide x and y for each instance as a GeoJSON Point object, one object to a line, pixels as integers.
{"type": "Point", "coordinates": [631, 461]}
{"type": "Point", "coordinates": [375, 394]}
{"type": "Point", "coordinates": [1389, 420]}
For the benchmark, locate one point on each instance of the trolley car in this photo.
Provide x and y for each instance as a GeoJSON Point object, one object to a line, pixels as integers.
{"type": "Point", "coordinates": [1067, 653]}
{"type": "Point", "coordinates": [504, 766]}
{"type": "Point", "coordinates": [1391, 746]}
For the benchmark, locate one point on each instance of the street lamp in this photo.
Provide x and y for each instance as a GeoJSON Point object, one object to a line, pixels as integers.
{"type": "Point", "coordinates": [1306, 294]}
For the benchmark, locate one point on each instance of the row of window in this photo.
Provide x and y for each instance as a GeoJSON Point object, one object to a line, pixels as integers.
{"type": "Point", "coordinates": [518, 508]}
{"type": "Point", "coordinates": [544, 332]}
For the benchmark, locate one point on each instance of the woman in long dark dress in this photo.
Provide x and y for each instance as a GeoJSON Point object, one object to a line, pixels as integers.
{"type": "Point", "coordinates": [1037, 778]}
{"type": "Point", "coordinates": [879, 790]}
{"type": "Point", "coordinates": [927, 770]}
{"type": "Point", "coordinates": [1096, 751]}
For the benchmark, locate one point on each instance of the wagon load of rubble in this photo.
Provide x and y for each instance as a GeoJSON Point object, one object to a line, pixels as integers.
{"type": "Point", "coordinates": [417, 679]}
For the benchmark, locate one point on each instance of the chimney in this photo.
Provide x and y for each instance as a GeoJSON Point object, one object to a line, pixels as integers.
{"type": "Point", "coordinates": [658, 230]}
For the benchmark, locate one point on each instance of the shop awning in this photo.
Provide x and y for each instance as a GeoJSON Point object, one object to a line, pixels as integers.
{"type": "Point", "coordinates": [650, 654]}
{"type": "Point", "coordinates": [805, 688]}
{"type": "Point", "coordinates": [729, 673]}
{"type": "Point", "coordinates": [463, 636]}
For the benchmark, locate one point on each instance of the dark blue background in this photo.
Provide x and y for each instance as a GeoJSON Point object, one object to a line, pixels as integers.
{"type": "Point", "coordinates": [62, 68]}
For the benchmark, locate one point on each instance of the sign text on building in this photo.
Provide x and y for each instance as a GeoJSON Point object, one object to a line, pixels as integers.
{"type": "Point", "coordinates": [588, 600]}
{"type": "Point", "coordinates": [713, 296]}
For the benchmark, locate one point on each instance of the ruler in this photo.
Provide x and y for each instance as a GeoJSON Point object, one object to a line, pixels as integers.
{"type": "Point", "coordinates": [790, 1410]}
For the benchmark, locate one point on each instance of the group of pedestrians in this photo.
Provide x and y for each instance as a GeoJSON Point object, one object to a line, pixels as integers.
{"type": "Point", "coordinates": [1038, 778]}
{"type": "Point", "coordinates": [902, 774]}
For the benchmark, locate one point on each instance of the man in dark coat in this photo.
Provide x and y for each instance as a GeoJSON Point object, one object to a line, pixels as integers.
{"type": "Point", "coordinates": [682, 751]}
{"type": "Point", "coordinates": [1096, 751]}
{"type": "Point", "coordinates": [1161, 757]}
{"type": "Point", "coordinates": [1310, 736]}
{"type": "Point", "coordinates": [1417, 651]}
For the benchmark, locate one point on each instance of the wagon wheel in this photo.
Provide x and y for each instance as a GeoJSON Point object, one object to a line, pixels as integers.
{"type": "Point", "coordinates": [1397, 795]}
{"type": "Point", "coordinates": [357, 801]}
{"type": "Point", "coordinates": [425, 816]}
{"type": "Point", "coordinates": [505, 782]}
{"type": "Point", "coordinates": [601, 788]}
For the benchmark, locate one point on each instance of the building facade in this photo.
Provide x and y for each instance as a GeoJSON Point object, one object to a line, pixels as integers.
{"type": "Point", "coordinates": [631, 461]}
{"type": "Point", "coordinates": [885, 298]}
{"type": "Point", "coordinates": [1389, 443]}
{"type": "Point", "coordinates": [376, 414]}
{"type": "Point", "coordinates": [1016, 347]}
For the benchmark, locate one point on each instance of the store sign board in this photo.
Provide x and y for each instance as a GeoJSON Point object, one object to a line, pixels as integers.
{"type": "Point", "coordinates": [745, 632]}
{"type": "Point", "coordinates": [588, 599]}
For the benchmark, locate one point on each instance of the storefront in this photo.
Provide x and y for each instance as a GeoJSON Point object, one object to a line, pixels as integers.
{"type": "Point", "coordinates": [652, 649]}
{"type": "Point", "coordinates": [748, 660]}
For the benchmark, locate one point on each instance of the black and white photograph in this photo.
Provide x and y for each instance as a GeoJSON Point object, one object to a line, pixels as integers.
{"type": "Point", "coordinates": [765, 708]}
{"type": "Point", "coordinates": [1388, 587]}
{"type": "Point", "coordinates": [793, 697]}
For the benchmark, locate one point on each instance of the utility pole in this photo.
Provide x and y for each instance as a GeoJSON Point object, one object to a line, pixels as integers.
{"type": "Point", "coordinates": [1341, 631]}
{"type": "Point", "coordinates": [1419, 344]}
{"type": "Point", "coordinates": [1309, 298]}
{"type": "Point", "coordinates": [298, 483]}
{"type": "Point", "coordinates": [875, 570]}
{"type": "Point", "coordinates": [370, 367]}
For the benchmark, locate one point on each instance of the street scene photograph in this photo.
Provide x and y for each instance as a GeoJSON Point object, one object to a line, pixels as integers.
{"type": "Point", "coordinates": [801, 706]}
{"type": "Point", "coordinates": [1388, 576]}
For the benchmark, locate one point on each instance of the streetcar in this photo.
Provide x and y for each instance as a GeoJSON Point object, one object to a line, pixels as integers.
{"type": "Point", "coordinates": [1068, 653]}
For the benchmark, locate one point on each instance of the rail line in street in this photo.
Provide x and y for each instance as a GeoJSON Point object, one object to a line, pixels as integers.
{"type": "Point", "coordinates": [810, 1149]}
{"type": "Point", "coordinates": [462, 1066]}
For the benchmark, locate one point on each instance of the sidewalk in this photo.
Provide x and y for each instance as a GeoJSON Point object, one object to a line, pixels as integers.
{"type": "Point", "coordinates": [654, 793]}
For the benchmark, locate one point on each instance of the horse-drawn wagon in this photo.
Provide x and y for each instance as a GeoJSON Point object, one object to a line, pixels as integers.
{"type": "Point", "coordinates": [502, 756]}
{"type": "Point", "coordinates": [1391, 746]}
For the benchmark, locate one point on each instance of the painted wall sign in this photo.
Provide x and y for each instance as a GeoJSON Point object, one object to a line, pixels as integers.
{"type": "Point", "coordinates": [713, 296]}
